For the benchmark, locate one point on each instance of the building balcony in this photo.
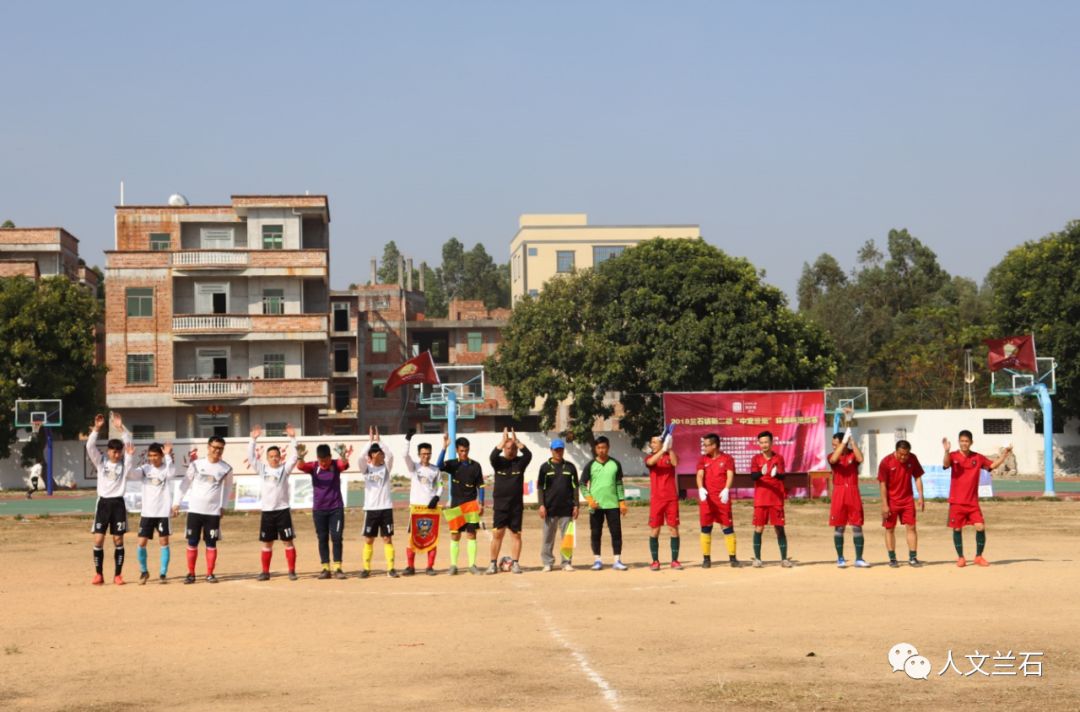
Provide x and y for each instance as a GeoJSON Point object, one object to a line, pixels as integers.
{"type": "Point", "coordinates": [253, 263]}
{"type": "Point", "coordinates": [210, 258]}
{"type": "Point", "coordinates": [273, 391]}
{"type": "Point", "coordinates": [251, 327]}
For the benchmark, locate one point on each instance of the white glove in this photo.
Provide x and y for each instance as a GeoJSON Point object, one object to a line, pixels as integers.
{"type": "Point", "coordinates": [724, 495]}
{"type": "Point", "coordinates": [847, 436]}
{"type": "Point", "coordinates": [773, 473]}
{"type": "Point", "coordinates": [667, 444]}
{"type": "Point", "coordinates": [1008, 445]}
{"type": "Point", "coordinates": [765, 469]}
{"type": "Point", "coordinates": [702, 493]}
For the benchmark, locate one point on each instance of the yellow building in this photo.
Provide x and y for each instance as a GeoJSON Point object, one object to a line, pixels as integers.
{"type": "Point", "coordinates": [552, 244]}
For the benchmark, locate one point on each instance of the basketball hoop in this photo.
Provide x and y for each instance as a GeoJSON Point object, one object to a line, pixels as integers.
{"type": "Point", "coordinates": [36, 421]}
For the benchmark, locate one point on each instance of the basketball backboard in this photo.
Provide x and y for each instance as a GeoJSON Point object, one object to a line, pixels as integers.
{"type": "Point", "coordinates": [852, 399]}
{"type": "Point", "coordinates": [1007, 382]}
{"type": "Point", "coordinates": [46, 412]}
{"type": "Point", "coordinates": [466, 382]}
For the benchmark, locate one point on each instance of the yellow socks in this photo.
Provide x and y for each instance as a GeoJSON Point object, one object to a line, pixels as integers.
{"type": "Point", "coordinates": [388, 550]}
{"type": "Point", "coordinates": [369, 549]}
{"type": "Point", "coordinates": [706, 544]}
{"type": "Point", "coordinates": [470, 548]}
{"type": "Point", "coordinates": [729, 540]}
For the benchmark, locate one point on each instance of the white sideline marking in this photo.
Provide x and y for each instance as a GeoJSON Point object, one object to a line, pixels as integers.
{"type": "Point", "coordinates": [608, 692]}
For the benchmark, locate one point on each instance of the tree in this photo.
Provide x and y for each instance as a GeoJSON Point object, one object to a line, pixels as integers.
{"type": "Point", "coordinates": [1034, 291]}
{"type": "Point", "coordinates": [8, 223]}
{"type": "Point", "coordinates": [667, 315]}
{"type": "Point", "coordinates": [388, 266]}
{"type": "Point", "coordinates": [48, 332]}
{"type": "Point", "coordinates": [434, 294]}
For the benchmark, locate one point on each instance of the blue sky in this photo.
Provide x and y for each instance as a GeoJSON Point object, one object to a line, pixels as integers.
{"type": "Point", "coordinates": [784, 129]}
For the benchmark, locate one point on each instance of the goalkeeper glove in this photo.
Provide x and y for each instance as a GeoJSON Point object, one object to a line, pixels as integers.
{"type": "Point", "coordinates": [622, 507]}
{"type": "Point", "coordinates": [724, 495]}
{"type": "Point", "coordinates": [590, 501]}
{"type": "Point", "coordinates": [434, 502]}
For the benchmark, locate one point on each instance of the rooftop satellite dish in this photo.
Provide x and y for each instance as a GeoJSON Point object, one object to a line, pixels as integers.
{"type": "Point", "coordinates": [177, 200]}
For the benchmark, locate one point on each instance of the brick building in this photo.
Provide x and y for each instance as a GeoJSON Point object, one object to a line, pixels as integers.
{"type": "Point", "coordinates": [216, 316]}
{"type": "Point", "coordinates": [37, 252]}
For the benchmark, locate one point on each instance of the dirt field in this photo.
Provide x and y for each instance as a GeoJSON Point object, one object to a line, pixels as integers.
{"type": "Point", "coordinates": [809, 638]}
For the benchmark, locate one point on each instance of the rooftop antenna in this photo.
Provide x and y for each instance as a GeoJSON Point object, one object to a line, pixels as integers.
{"type": "Point", "coordinates": [121, 192]}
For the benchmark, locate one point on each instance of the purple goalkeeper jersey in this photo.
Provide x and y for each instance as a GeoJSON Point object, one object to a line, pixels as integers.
{"type": "Point", "coordinates": [326, 483]}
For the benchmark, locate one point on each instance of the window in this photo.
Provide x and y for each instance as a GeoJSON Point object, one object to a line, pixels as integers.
{"type": "Point", "coordinates": [532, 252]}
{"type": "Point", "coordinates": [378, 342]}
{"type": "Point", "coordinates": [378, 303]}
{"type": "Point", "coordinates": [212, 298]}
{"type": "Point", "coordinates": [341, 399]}
{"type": "Point", "coordinates": [275, 430]}
{"type": "Point", "coordinates": [140, 368]}
{"type": "Point", "coordinates": [341, 358]}
{"type": "Point", "coordinates": [216, 238]}
{"type": "Point", "coordinates": [143, 432]}
{"type": "Point", "coordinates": [140, 301]}
{"type": "Point", "coordinates": [476, 342]}
{"type": "Point", "coordinates": [160, 241]}
{"type": "Point", "coordinates": [341, 316]}
{"type": "Point", "coordinates": [378, 388]}
{"type": "Point", "coordinates": [602, 254]}
{"type": "Point", "coordinates": [564, 261]}
{"type": "Point", "coordinates": [273, 237]}
{"type": "Point", "coordinates": [534, 293]}
{"type": "Point", "coordinates": [997, 426]}
{"type": "Point", "coordinates": [273, 365]}
{"type": "Point", "coordinates": [273, 301]}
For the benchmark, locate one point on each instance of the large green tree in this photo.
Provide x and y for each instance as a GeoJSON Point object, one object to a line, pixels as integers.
{"type": "Point", "coordinates": [1036, 290]}
{"type": "Point", "coordinates": [463, 274]}
{"type": "Point", "coordinates": [899, 322]}
{"type": "Point", "coordinates": [47, 331]}
{"type": "Point", "coordinates": [667, 315]}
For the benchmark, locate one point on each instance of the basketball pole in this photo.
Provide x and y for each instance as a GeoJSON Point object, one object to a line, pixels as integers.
{"type": "Point", "coordinates": [451, 430]}
{"type": "Point", "coordinates": [1040, 391]}
{"type": "Point", "coordinates": [48, 461]}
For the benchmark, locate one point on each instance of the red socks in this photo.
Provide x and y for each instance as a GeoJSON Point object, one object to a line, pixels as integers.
{"type": "Point", "coordinates": [266, 554]}
{"type": "Point", "coordinates": [411, 556]}
{"type": "Point", "coordinates": [431, 559]}
{"type": "Point", "coordinates": [192, 557]}
{"type": "Point", "coordinates": [211, 560]}
{"type": "Point", "coordinates": [290, 556]}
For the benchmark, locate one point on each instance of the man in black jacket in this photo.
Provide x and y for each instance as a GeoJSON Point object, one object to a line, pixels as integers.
{"type": "Point", "coordinates": [557, 490]}
{"type": "Point", "coordinates": [509, 506]}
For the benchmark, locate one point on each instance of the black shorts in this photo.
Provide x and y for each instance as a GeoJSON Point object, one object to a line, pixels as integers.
{"type": "Point", "coordinates": [276, 525]}
{"type": "Point", "coordinates": [379, 522]}
{"type": "Point", "coordinates": [207, 526]}
{"type": "Point", "coordinates": [508, 516]}
{"type": "Point", "coordinates": [467, 527]}
{"type": "Point", "coordinates": [111, 514]}
{"type": "Point", "coordinates": [149, 525]}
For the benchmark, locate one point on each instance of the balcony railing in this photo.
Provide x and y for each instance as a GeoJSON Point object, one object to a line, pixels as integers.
{"type": "Point", "coordinates": [210, 258]}
{"type": "Point", "coordinates": [215, 322]}
{"type": "Point", "coordinates": [212, 389]}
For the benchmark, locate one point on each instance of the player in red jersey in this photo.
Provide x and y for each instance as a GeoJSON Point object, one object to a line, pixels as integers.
{"type": "Point", "coordinates": [663, 496]}
{"type": "Point", "coordinates": [715, 473]}
{"type": "Point", "coordinates": [767, 470]}
{"type": "Point", "coordinates": [898, 501]}
{"type": "Point", "coordinates": [846, 508]}
{"type": "Point", "coordinates": [965, 465]}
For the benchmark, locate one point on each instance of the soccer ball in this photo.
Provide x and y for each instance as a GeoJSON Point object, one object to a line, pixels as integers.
{"type": "Point", "coordinates": [505, 563]}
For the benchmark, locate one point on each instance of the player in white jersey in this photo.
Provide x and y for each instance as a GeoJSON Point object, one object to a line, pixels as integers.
{"type": "Point", "coordinates": [156, 504]}
{"type": "Point", "coordinates": [375, 466]}
{"type": "Point", "coordinates": [276, 520]}
{"type": "Point", "coordinates": [425, 490]}
{"type": "Point", "coordinates": [110, 514]}
{"type": "Point", "coordinates": [210, 481]}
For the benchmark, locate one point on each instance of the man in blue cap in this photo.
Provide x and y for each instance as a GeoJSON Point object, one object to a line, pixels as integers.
{"type": "Point", "coordinates": [557, 492]}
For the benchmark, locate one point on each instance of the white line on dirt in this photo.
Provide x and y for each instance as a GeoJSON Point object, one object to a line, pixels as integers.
{"type": "Point", "coordinates": [606, 690]}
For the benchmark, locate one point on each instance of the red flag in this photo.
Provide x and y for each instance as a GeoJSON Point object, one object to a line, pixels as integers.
{"type": "Point", "coordinates": [418, 369]}
{"type": "Point", "coordinates": [1016, 353]}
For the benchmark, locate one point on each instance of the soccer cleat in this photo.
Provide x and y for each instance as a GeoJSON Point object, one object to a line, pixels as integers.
{"type": "Point", "coordinates": [263, 576]}
{"type": "Point", "coordinates": [861, 564]}
{"type": "Point", "coordinates": [546, 568]}
{"type": "Point", "coordinates": [914, 563]}
{"type": "Point", "coordinates": [340, 575]}
{"type": "Point", "coordinates": [654, 566]}
{"type": "Point", "coordinates": [364, 573]}
{"type": "Point", "coordinates": [492, 569]}
{"type": "Point", "coordinates": [210, 578]}
{"type": "Point", "coordinates": [163, 579]}
{"type": "Point", "coordinates": [597, 565]}
{"type": "Point", "coordinates": [474, 570]}
{"type": "Point", "coordinates": [894, 564]}
{"type": "Point", "coordinates": [676, 565]}
{"type": "Point", "coordinates": [961, 562]}
{"type": "Point", "coordinates": [787, 564]}
{"type": "Point", "coordinates": [409, 571]}
{"type": "Point", "coordinates": [429, 571]}
{"type": "Point", "coordinates": [515, 568]}
{"type": "Point", "coordinates": [118, 580]}
{"type": "Point", "coordinates": [325, 574]}
{"type": "Point", "coordinates": [734, 563]}
{"type": "Point", "coordinates": [567, 566]}
{"type": "Point", "coordinates": [706, 563]}
{"type": "Point", "coordinates": [619, 566]}
{"type": "Point", "coordinates": [841, 563]}
{"type": "Point", "coordinates": [392, 573]}
{"type": "Point", "coordinates": [980, 561]}
{"type": "Point", "coordinates": [757, 564]}
{"type": "Point", "coordinates": [452, 571]}
{"type": "Point", "coordinates": [293, 576]}
{"type": "Point", "coordinates": [144, 577]}
{"type": "Point", "coordinates": [98, 580]}
{"type": "Point", "coordinates": [190, 578]}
